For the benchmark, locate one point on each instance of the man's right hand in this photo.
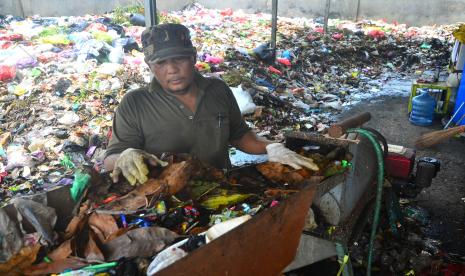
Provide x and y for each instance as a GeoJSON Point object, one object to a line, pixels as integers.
{"type": "Point", "coordinates": [131, 163]}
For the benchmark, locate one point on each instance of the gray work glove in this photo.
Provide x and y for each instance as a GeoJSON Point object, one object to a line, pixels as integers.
{"type": "Point", "coordinates": [279, 153]}
{"type": "Point", "coordinates": [131, 164]}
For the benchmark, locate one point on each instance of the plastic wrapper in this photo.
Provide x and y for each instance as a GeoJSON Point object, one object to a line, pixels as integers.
{"type": "Point", "coordinates": [244, 100]}
{"type": "Point", "coordinates": [43, 218]}
{"type": "Point", "coordinates": [18, 157]}
{"type": "Point", "coordinates": [11, 241]}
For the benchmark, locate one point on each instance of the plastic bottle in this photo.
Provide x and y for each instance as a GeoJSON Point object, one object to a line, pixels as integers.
{"type": "Point", "coordinates": [423, 107]}
{"type": "Point", "coordinates": [137, 19]}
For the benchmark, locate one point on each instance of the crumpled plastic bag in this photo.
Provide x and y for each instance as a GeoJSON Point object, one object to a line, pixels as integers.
{"type": "Point", "coordinates": [92, 49]}
{"type": "Point", "coordinates": [116, 55]}
{"type": "Point", "coordinates": [140, 242]}
{"type": "Point", "coordinates": [42, 218]}
{"type": "Point", "coordinates": [80, 183]}
{"type": "Point", "coordinates": [459, 34]}
{"type": "Point", "coordinates": [310, 223]}
{"type": "Point", "coordinates": [244, 100]}
{"type": "Point", "coordinates": [11, 240]}
{"type": "Point", "coordinates": [18, 157]}
{"type": "Point", "coordinates": [69, 118]}
{"type": "Point", "coordinates": [167, 257]}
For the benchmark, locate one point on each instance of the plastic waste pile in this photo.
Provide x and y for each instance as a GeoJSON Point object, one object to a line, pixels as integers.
{"type": "Point", "coordinates": [180, 208]}
{"type": "Point", "coordinates": [415, 250]}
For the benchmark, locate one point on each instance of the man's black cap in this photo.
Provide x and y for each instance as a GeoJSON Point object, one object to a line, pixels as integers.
{"type": "Point", "coordinates": [165, 41]}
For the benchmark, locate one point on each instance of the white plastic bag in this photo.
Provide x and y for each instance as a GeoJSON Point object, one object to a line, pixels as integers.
{"type": "Point", "coordinates": [222, 228]}
{"type": "Point", "coordinates": [167, 257]}
{"type": "Point", "coordinates": [69, 118]}
{"type": "Point", "coordinates": [244, 100]}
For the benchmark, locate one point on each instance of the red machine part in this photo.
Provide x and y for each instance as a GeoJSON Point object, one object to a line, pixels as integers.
{"type": "Point", "coordinates": [400, 165]}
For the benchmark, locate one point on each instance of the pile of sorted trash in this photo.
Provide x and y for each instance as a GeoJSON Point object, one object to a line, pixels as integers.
{"type": "Point", "coordinates": [61, 79]}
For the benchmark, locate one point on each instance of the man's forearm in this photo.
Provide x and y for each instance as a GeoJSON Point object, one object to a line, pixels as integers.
{"type": "Point", "coordinates": [109, 162]}
{"type": "Point", "coordinates": [251, 143]}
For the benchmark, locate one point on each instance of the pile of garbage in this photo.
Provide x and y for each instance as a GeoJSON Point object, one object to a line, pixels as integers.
{"type": "Point", "coordinates": [409, 250]}
{"type": "Point", "coordinates": [61, 79]}
{"type": "Point", "coordinates": [182, 207]}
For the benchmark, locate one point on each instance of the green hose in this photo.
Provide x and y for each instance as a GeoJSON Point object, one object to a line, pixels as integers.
{"type": "Point", "coordinates": [379, 190]}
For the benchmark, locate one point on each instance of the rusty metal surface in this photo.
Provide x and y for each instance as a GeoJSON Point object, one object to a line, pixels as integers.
{"type": "Point", "coordinates": [264, 245]}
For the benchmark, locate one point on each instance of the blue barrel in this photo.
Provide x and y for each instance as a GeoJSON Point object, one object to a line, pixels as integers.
{"type": "Point", "coordinates": [423, 107]}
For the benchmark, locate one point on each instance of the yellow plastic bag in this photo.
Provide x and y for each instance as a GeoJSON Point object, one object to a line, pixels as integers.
{"type": "Point", "coordinates": [459, 34]}
{"type": "Point", "coordinates": [215, 202]}
{"type": "Point", "coordinates": [60, 39]}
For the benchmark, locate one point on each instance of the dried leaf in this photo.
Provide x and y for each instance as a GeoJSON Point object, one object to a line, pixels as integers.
{"type": "Point", "coordinates": [4, 138]}
{"type": "Point", "coordinates": [120, 232]}
{"type": "Point", "coordinates": [103, 224]}
{"type": "Point", "coordinates": [62, 252]}
{"type": "Point", "coordinates": [172, 180]}
{"type": "Point", "coordinates": [280, 173]}
{"type": "Point", "coordinates": [16, 264]}
{"type": "Point", "coordinates": [98, 233]}
{"type": "Point", "coordinates": [140, 242]}
{"type": "Point", "coordinates": [279, 192]}
{"type": "Point", "coordinates": [55, 266]}
{"type": "Point", "coordinates": [77, 222]}
{"type": "Point", "coordinates": [93, 252]}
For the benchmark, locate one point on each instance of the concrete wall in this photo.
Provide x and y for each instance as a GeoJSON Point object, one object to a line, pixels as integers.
{"type": "Point", "coordinates": [412, 12]}
{"type": "Point", "coordinates": [74, 7]}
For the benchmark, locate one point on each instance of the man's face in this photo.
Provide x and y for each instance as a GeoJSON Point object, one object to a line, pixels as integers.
{"type": "Point", "coordinates": [175, 75]}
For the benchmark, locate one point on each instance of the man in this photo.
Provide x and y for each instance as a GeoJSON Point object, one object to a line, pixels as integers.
{"type": "Point", "coordinates": [181, 112]}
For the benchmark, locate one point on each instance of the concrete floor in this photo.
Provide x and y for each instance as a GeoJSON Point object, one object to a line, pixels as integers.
{"type": "Point", "coordinates": [445, 199]}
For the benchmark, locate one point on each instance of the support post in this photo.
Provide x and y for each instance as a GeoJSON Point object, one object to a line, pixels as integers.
{"type": "Point", "coordinates": [274, 26]}
{"type": "Point", "coordinates": [357, 13]}
{"type": "Point", "coordinates": [327, 9]}
{"type": "Point", "coordinates": [151, 18]}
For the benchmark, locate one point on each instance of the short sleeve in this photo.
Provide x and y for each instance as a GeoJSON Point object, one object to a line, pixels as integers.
{"type": "Point", "coordinates": [237, 125]}
{"type": "Point", "coordinates": [126, 132]}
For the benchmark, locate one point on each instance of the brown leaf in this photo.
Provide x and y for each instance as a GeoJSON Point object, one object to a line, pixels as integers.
{"type": "Point", "coordinates": [279, 192]}
{"type": "Point", "coordinates": [77, 222]}
{"type": "Point", "coordinates": [62, 252]}
{"type": "Point", "coordinates": [172, 180]}
{"type": "Point", "coordinates": [55, 266]}
{"type": "Point", "coordinates": [177, 175]}
{"type": "Point", "coordinates": [98, 233]}
{"type": "Point", "coordinates": [23, 259]}
{"type": "Point", "coordinates": [120, 232]}
{"type": "Point", "coordinates": [140, 242]}
{"type": "Point", "coordinates": [93, 252]}
{"type": "Point", "coordinates": [280, 173]}
{"type": "Point", "coordinates": [4, 138]}
{"type": "Point", "coordinates": [103, 224]}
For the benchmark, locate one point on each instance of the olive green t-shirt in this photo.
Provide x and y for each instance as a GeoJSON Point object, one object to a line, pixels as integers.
{"type": "Point", "coordinates": [157, 122]}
